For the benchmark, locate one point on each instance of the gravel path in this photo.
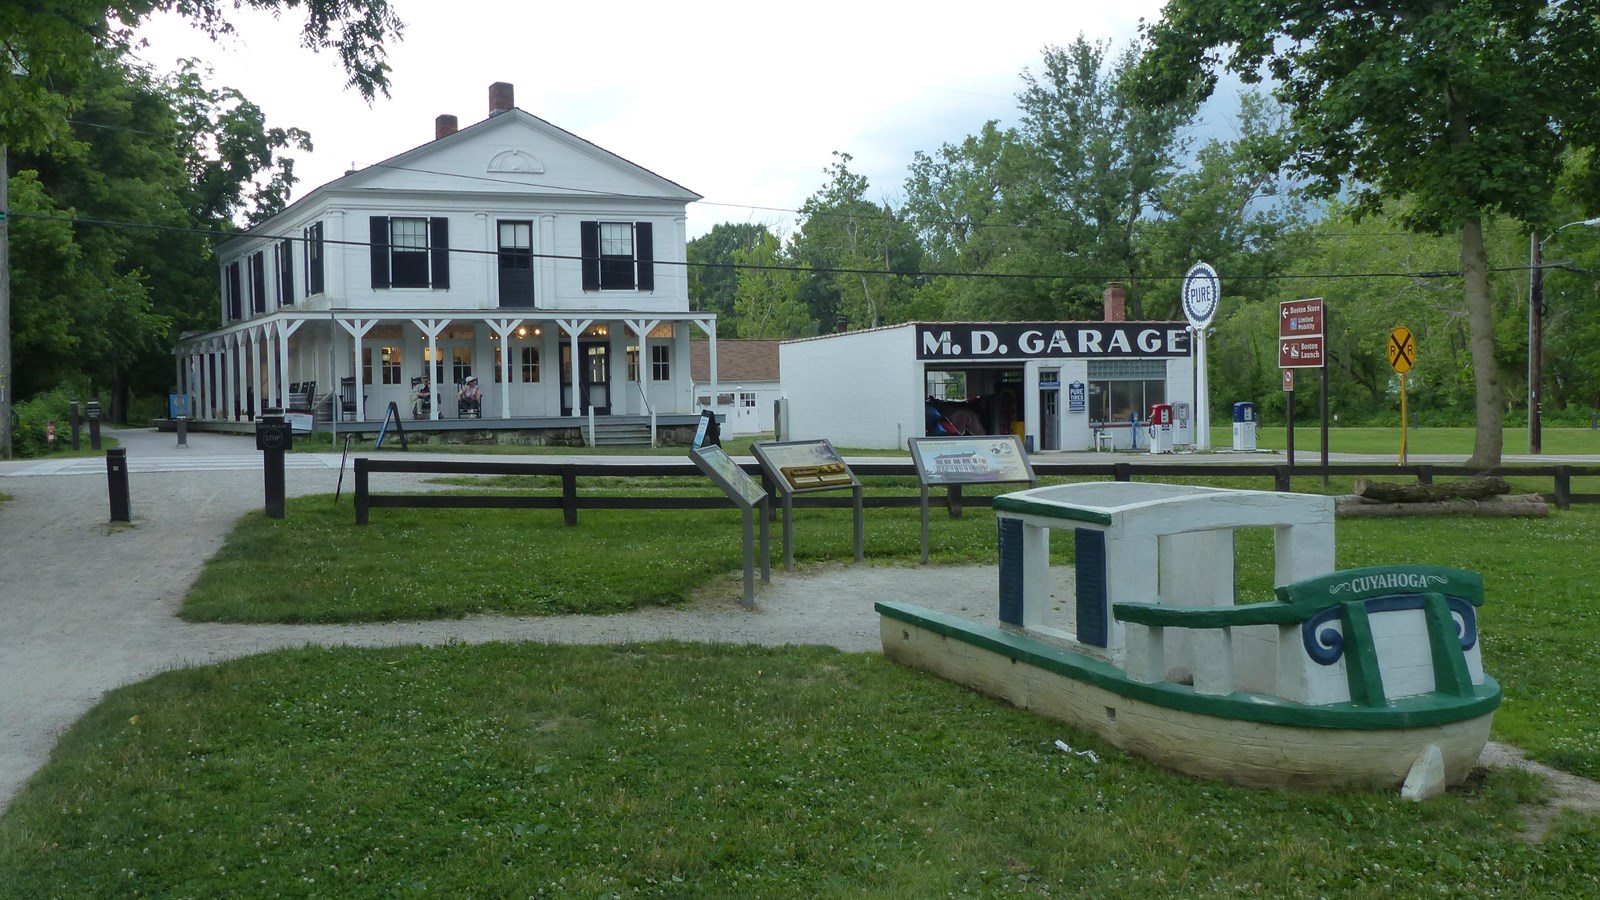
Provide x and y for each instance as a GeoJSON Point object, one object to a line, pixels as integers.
{"type": "Point", "coordinates": [86, 606]}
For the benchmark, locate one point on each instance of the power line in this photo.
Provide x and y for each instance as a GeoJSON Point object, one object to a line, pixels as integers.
{"type": "Point", "coordinates": [997, 276]}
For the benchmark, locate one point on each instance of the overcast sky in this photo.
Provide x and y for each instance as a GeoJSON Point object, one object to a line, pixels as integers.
{"type": "Point", "coordinates": [742, 103]}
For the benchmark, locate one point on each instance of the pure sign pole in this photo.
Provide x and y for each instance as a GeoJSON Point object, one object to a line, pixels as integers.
{"type": "Point", "coordinates": [1301, 346]}
{"type": "Point", "coordinates": [1402, 353]}
{"type": "Point", "coordinates": [1202, 290]}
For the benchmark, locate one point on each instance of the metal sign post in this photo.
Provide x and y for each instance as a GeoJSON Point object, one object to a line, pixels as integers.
{"type": "Point", "coordinates": [273, 439]}
{"type": "Point", "coordinates": [1402, 353]}
{"type": "Point", "coordinates": [1202, 291]}
{"type": "Point", "coordinates": [1301, 345]}
{"type": "Point", "coordinates": [803, 467]}
{"type": "Point", "coordinates": [747, 494]}
{"type": "Point", "coordinates": [967, 459]}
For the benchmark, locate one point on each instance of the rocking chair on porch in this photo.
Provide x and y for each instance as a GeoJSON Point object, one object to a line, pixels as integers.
{"type": "Point", "coordinates": [347, 399]}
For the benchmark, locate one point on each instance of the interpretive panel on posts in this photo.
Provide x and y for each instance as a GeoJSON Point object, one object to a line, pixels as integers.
{"type": "Point", "coordinates": [971, 459]}
{"type": "Point", "coordinates": [734, 481]}
{"type": "Point", "coordinates": [797, 467]}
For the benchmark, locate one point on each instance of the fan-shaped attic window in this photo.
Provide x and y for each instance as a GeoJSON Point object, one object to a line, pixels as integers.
{"type": "Point", "coordinates": [516, 161]}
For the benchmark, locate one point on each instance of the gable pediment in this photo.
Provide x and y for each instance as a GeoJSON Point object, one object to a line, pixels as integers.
{"type": "Point", "coordinates": [514, 152]}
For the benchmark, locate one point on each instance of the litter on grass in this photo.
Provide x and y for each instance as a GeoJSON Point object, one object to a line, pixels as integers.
{"type": "Point", "coordinates": [1064, 747]}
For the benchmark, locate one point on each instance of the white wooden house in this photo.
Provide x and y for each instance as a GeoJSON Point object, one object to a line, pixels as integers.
{"type": "Point", "coordinates": [510, 250]}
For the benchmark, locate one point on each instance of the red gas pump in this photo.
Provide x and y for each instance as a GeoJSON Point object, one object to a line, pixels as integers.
{"type": "Point", "coordinates": [1161, 428]}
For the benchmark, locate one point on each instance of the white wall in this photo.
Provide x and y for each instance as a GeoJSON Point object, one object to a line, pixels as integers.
{"type": "Point", "coordinates": [858, 389]}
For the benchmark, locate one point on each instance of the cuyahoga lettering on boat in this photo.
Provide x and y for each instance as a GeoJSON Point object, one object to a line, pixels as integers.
{"type": "Point", "coordinates": [1387, 580]}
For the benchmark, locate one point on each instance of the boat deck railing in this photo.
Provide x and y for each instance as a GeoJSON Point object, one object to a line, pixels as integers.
{"type": "Point", "coordinates": [1319, 622]}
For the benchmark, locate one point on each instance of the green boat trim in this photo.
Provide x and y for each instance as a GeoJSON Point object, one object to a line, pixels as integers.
{"type": "Point", "coordinates": [1419, 711]}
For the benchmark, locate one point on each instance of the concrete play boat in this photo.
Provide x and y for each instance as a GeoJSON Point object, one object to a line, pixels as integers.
{"type": "Point", "coordinates": [1367, 678]}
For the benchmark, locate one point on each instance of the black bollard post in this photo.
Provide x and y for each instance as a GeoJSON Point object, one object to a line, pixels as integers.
{"type": "Point", "coordinates": [74, 422]}
{"type": "Point", "coordinates": [93, 410]}
{"type": "Point", "coordinates": [183, 431]}
{"type": "Point", "coordinates": [117, 484]}
{"type": "Point", "coordinates": [273, 437]}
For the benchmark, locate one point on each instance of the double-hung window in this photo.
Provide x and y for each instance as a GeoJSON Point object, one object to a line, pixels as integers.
{"type": "Point", "coordinates": [516, 263]}
{"type": "Point", "coordinates": [410, 252]}
{"type": "Point", "coordinates": [660, 368]}
{"type": "Point", "coordinates": [618, 256]}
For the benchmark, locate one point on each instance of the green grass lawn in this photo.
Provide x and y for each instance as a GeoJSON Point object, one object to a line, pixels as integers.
{"type": "Point", "coordinates": [716, 771]}
{"type": "Point", "coordinates": [693, 771]}
{"type": "Point", "coordinates": [1308, 439]}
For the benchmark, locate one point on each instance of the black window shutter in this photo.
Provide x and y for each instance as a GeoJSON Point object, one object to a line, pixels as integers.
{"type": "Point", "coordinates": [439, 247]}
{"type": "Point", "coordinates": [644, 253]}
{"type": "Point", "coordinates": [234, 287]}
{"type": "Point", "coordinates": [379, 239]}
{"type": "Point", "coordinates": [590, 251]}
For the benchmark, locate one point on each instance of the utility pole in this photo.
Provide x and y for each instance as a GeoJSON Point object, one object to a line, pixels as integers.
{"type": "Point", "coordinates": [6, 382]}
{"type": "Point", "coordinates": [1535, 344]}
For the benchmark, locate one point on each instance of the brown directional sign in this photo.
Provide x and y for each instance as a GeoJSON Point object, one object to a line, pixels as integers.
{"type": "Point", "coordinates": [1300, 353]}
{"type": "Point", "coordinates": [1402, 349]}
{"type": "Point", "coordinates": [1300, 318]}
{"type": "Point", "coordinates": [1300, 341]}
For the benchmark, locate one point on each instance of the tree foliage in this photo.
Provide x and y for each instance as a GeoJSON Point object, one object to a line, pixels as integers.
{"type": "Point", "coordinates": [856, 248]}
{"type": "Point", "coordinates": [1461, 110]}
{"type": "Point", "coordinates": [61, 40]}
{"type": "Point", "coordinates": [713, 277]}
{"type": "Point", "coordinates": [111, 245]}
{"type": "Point", "coordinates": [767, 302]}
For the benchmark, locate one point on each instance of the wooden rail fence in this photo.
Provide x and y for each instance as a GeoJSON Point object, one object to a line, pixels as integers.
{"type": "Point", "coordinates": [569, 502]}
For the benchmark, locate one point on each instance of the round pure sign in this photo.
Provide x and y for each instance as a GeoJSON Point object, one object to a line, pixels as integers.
{"type": "Point", "coordinates": [1201, 292]}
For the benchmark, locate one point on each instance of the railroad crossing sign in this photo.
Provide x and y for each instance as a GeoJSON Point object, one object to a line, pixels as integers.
{"type": "Point", "coordinates": [1402, 349]}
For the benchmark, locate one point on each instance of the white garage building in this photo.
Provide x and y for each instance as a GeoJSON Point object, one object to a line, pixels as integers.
{"type": "Point", "coordinates": [1061, 385]}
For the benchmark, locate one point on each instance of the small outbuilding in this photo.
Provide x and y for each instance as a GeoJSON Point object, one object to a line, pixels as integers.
{"type": "Point", "coordinates": [1059, 385]}
{"type": "Point", "coordinates": [747, 386]}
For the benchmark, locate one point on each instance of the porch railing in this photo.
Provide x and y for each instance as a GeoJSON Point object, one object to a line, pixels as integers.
{"type": "Point", "coordinates": [649, 409]}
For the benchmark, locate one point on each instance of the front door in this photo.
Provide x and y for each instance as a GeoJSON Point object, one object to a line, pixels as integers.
{"type": "Point", "coordinates": [594, 373]}
{"type": "Point", "coordinates": [1050, 415]}
{"type": "Point", "coordinates": [744, 414]}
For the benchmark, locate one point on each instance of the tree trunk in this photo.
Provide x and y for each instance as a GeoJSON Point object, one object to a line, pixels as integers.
{"type": "Point", "coordinates": [1488, 440]}
{"type": "Point", "coordinates": [1480, 488]}
{"type": "Point", "coordinates": [1522, 507]}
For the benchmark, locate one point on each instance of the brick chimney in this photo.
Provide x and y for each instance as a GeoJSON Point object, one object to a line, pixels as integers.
{"type": "Point", "coordinates": [1115, 301]}
{"type": "Point", "coordinates": [444, 126]}
{"type": "Point", "coordinates": [841, 324]}
{"type": "Point", "coordinates": [502, 97]}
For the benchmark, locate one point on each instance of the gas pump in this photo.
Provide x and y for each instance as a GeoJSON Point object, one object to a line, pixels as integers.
{"type": "Point", "coordinates": [1161, 428]}
{"type": "Point", "coordinates": [1244, 426]}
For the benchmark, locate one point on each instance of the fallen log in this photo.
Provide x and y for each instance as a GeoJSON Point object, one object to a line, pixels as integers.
{"type": "Point", "coordinates": [1522, 505]}
{"type": "Point", "coordinates": [1477, 488]}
